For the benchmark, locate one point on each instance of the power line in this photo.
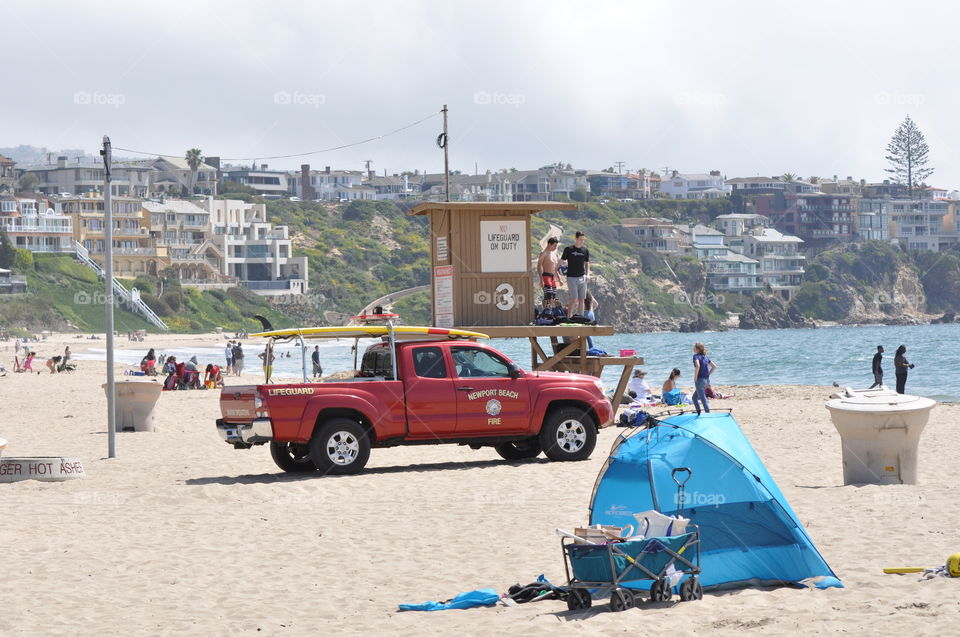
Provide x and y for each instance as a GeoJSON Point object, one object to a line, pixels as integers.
{"type": "Point", "coordinates": [312, 152]}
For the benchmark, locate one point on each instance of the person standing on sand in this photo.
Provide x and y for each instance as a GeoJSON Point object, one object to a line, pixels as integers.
{"type": "Point", "coordinates": [577, 260]}
{"type": "Point", "coordinates": [901, 366]}
{"type": "Point", "coordinates": [877, 368]}
{"type": "Point", "coordinates": [238, 359]}
{"type": "Point", "coordinates": [228, 355]}
{"type": "Point", "coordinates": [702, 368]}
{"type": "Point", "coordinates": [315, 358]}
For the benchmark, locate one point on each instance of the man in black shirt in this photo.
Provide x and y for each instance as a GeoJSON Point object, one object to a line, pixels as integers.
{"type": "Point", "coordinates": [877, 368]}
{"type": "Point", "coordinates": [315, 357]}
{"type": "Point", "coordinates": [577, 260]}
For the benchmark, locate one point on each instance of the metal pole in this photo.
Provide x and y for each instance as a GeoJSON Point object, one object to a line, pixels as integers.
{"type": "Point", "coordinates": [108, 277]}
{"type": "Point", "coordinates": [446, 156]}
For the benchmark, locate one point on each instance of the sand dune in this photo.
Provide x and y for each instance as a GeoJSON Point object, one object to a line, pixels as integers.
{"type": "Point", "coordinates": [183, 534]}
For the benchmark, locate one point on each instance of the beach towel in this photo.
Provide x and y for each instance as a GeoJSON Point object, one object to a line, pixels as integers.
{"type": "Point", "coordinates": [470, 599]}
{"type": "Point", "coordinates": [672, 397]}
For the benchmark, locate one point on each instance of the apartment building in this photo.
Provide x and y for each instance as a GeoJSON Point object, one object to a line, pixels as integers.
{"type": "Point", "coordinates": [133, 252]}
{"type": "Point", "coordinates": [652, 233]}
{"type": "Point", "coordinates": [269, 184]}
{"type": "Point", "coordinates": [330, 185]}
{"type": "Point", "coordinates": [256, 253]}
{"type": "Point", "coordinates": [819, 219]}
{"type": "Point", "coordinates": [920, 224]}
{"type": "Point", "coordinates": [173, 176]}
{"type": "Point", "coordinates": [128, 179]}
{"type": "Point", "coordinates": [729, 271]}
{"type": "Point", "coordinates": [182, 229]}
{"type": "Point", "coordinates": [395, 188]}
{"type": "Point", "coordinates": [694, 185]}
{"type": "Point", "coordinates": [781, 266]}
{"type": "Point", "coordinates": [32, 225]}
{"type": "Point", "coordinates": [738, 224]}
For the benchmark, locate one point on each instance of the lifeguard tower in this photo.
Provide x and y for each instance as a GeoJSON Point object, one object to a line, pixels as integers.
{"type": "Point", "coordinates": [482, 280]}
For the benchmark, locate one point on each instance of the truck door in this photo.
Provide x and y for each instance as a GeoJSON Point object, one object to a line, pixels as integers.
{"type": "Point", "coordinates": [489, 401]}
{"type": "Point", "coordinates": [430, 394]}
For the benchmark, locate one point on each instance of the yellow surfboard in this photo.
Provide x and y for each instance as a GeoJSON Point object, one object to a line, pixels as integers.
{"type": "Point", "coordinates": [368, 331]}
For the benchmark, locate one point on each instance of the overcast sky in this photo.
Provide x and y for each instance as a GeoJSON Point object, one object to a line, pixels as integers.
{"type": "Point", "coordinates": [745, 88]}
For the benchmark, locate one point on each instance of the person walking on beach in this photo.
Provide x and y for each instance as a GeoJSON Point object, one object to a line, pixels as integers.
{"type": "Point", "coordinates": [577, 260]}
{"type": "Point", "coordinates": [238, 359]}
{"type": "Point", "coordinates": [901, 366]}
{"type": "Point", "coordinates": [315, 357]}
{"type": "Point", "coordinates": [877, 368]}
{"type": "Point", "coordinates": [228, 356]}
{"type": "Point", "coordinates": [702, 368]}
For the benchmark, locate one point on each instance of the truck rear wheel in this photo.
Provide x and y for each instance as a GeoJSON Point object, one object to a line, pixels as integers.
{"type": "Point", "coordinates": [568, 433]}
{"type": "Point", "coordinates": [519, 450]}
{"type": "Point", "coordinates": [340, 447]}
{"type": "Point", "coordinates": [292, 457]}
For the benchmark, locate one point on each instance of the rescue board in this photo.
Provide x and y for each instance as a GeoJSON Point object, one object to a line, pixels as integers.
{"type": "Point", "coordinates": [367, 331]}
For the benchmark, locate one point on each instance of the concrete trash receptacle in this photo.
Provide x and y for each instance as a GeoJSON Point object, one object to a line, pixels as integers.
{"type": "Point", "coordinates": [880, 432]}
{"type": "Point", "coordinates": [135, 403]}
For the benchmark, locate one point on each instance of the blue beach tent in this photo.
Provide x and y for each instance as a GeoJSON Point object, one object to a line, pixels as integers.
{"type": "Point", "coordinates": [749, 534]}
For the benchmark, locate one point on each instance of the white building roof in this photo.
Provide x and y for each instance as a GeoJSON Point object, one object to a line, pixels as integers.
{"type": "Point", "coordinates": [773, 236]}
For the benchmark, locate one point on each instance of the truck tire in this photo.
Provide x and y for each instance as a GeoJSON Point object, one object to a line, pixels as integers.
{"type": "Point", "coordinates": [340, 447]}
{"type": "Point", "coordinates": [292, 457]}
{"type": "Point", "coordinates": [520, 449]}
{"type": "Point", "coordinates": [568, 433]}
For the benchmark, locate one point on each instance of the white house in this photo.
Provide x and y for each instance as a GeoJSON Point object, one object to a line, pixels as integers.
{"type": "Point", "coordinates": [694, 186]}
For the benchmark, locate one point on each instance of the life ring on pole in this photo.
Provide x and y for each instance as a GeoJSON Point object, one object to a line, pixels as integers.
{"type": "Point", "coordinates": [442, 140]}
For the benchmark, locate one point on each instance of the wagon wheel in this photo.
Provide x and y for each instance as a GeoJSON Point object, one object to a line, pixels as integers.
{"type": "Point", "coordinates": [660, 591]}
{"type": "Point", "coordinates": [620, 600]}
{"type": "Point", "coordinates": [691, 590]}
{"type": "Point", "coordinates": [578, 599]}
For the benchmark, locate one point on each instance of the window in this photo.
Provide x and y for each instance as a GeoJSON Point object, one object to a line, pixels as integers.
{"type": "Point", "coordinates": [472, 361]}
{"type": "Point", "coordinates": [377, 362]}
{"type": "Point", "coordinates": [428, 362]}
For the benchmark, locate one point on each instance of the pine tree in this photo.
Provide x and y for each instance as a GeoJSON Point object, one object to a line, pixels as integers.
{"type": "Point", "coordinates": [908, 156]}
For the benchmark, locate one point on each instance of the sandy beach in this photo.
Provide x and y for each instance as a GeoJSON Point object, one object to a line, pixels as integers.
{"type": "Point", "coordinates": [183, 534]}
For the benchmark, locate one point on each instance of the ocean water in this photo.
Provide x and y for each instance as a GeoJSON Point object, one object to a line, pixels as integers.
{"type": "Point", "coordinates": [744, 357]}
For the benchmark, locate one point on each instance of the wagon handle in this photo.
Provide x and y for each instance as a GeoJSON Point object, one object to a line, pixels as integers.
{"type": "Point", "coordinates": [679, 470]}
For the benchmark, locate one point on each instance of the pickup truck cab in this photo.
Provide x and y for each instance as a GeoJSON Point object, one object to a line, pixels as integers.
{"type": "Point", "coordinates": [418, 392]}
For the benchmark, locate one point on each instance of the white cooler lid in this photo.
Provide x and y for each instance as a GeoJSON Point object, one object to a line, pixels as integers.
{"type": "Point", "coordinates": [879, 400]}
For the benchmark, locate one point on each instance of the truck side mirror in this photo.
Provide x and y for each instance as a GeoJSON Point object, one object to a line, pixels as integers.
{"type": "Point", "coordinates": [514, 371]}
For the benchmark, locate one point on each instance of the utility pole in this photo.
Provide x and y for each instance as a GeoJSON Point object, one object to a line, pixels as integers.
{"type": "Point", "coordinates": [619, 165]}
{"type": "Point", "coordinates": [108, 277]}
{"type": "Point", "coordinates": [446, 156]}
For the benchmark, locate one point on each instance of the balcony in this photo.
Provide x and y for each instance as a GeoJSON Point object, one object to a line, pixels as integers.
{"type": "Point", "coordinates": [270, 285]}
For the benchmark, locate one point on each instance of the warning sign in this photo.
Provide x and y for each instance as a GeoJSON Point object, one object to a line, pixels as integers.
{"type": "Point", "coordinates": [443, 295]}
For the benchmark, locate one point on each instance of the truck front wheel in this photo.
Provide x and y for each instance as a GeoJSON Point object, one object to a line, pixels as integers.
{"type": "Point", "coordinates": [568, 433]}
{"type": "Point", "coordinates": [292, 457]}
{"type": "Point", "coordinates": [340, 447]}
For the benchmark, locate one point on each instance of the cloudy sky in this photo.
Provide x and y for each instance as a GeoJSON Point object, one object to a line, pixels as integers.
{"type": "Point", "coordinates": [746, 88]}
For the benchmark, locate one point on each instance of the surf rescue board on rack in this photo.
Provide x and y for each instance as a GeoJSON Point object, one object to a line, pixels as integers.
{"type": "Point", "coordinates": [368, 331]}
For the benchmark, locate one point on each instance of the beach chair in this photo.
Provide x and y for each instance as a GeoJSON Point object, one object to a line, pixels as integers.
{"type": "Point", "coordinates": [66, 366]}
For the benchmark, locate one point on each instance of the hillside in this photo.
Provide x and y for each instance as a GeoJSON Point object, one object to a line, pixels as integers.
{"type": "Point", "coordinates": [66, 295]}
{"type": "Point", "coordinates": [875, 282]}
{"type": "Point", "coordinates": [363, 250]}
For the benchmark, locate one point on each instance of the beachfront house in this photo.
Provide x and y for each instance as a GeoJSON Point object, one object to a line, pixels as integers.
{"type": "Point", "coordinates": [329, 185]}
{"type": "Point", "coordinates": [33, 225]}
{"type": "Point", "coordinates": [781, 266]}
{"type": "Point", "coordinates": [694, 185]}
{"type": "Point", "coordinates": [86, 175]}
{"type": "Point", "coordinates": [269, 184]}
{"type": "Point", "coordinates": [256, 253]}
{"type": "Point", "coordinates": [652, 233]}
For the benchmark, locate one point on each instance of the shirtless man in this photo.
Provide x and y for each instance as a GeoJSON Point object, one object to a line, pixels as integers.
{"type": "Point", "coordinates": [547, 269]}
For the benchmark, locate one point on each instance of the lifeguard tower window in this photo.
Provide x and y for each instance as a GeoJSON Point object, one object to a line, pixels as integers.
{"type": "Point", "coordinates": [377, 363]}
{"type": "Point", "coordinates": [428, 362]}
{"type": "Point", "coordinates": [471, 361]}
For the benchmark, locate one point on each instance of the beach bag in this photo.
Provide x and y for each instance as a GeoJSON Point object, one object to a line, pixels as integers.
{"type": "Point", "coordinates": [672, 397]}
{"type": "Point", "coordinates": [170, 383]}
{"type": "Point", "coordinates": [655, 524]}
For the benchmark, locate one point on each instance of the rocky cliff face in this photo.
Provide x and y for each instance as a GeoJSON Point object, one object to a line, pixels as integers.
{"type": "Point", "coordinates": [768, 311]}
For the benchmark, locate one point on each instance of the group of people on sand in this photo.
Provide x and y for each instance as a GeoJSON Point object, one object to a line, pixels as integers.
{"type": "Point", "coordinates": [639, 389]}
{"type": "Point", "coordinates": [233, 355]}
{"type": "Point", "coordinates": [181, 375]}
{"type": "Point", "coordinates": [56, 364]}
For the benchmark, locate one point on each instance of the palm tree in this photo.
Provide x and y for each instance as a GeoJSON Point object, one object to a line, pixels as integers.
{"type": "Point", "coordinates": [788, 177]}
{"type": "Point", "coordinates": [194, 158]}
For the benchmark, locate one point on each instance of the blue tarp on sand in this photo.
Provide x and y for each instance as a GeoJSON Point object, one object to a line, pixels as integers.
{"type": "Point", "coordinates": [749, 533]}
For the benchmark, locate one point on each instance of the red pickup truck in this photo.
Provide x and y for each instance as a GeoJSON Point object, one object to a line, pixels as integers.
{"type": "Point", "coordinates": [436, 391]}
